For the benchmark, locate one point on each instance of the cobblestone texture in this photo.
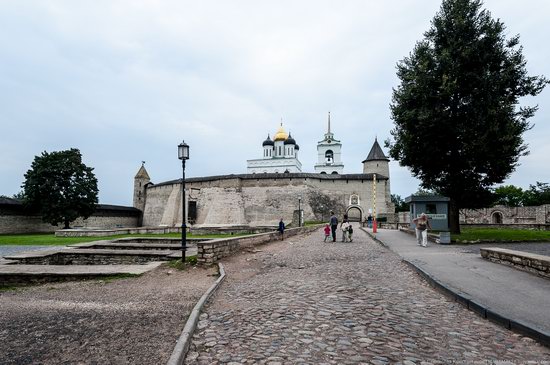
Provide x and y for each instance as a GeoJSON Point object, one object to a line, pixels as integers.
{"type": "Point", "coordinates": [302, 301]}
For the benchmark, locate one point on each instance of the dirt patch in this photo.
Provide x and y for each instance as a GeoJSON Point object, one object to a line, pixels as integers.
{"type": "Point", "coordinates": [122, 321]}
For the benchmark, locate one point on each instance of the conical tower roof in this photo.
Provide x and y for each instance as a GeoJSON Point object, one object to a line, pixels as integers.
{"type": "Point", "coordinates": [142, 173]}
{"type": "Point", "coordinates": [376, 153]}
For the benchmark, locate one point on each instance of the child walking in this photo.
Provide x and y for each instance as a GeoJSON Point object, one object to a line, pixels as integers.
{"type": "Point", "coordinates": [350, 232]}
{"type": "Point", "coordinates": [327, 232]}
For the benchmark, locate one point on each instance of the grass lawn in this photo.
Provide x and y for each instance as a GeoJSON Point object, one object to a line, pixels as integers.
{"type": "Point", "coordinates": [498, 234]}
{"type": "Point", "coordinates": [313, 223]}
{"type": "Point", "coordinates": [49, 239]}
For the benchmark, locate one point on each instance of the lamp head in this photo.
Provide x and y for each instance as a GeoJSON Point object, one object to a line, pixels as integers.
{"type": "Point", "coordinates": [183, 151]}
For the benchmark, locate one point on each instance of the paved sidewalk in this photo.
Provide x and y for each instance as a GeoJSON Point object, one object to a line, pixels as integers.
{"type": "Point", "coordinates": [512, 293]}
{"type": "Point", "coordinates": [14, 249]}
{"type": "Point", "coordinates": [308, 302]}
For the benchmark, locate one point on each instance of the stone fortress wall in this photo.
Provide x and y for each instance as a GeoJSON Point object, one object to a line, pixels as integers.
{"type": "Point", "coordinates": [247, 200]}
{"type": "Point", "coordinates": [15, 219]}
{"type": "Point", "coordinates": [262, 199]}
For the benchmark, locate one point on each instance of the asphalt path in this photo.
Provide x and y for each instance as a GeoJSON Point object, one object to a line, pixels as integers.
{"type": "Point", "coordinates": [513, 293]}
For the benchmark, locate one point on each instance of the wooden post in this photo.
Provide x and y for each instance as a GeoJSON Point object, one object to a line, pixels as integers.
{"type": "Point", "coordinates": [374, 228]}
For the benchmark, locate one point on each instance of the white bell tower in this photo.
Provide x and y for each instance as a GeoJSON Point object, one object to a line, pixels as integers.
{"type": "Point", "coordinates": [329, 154]}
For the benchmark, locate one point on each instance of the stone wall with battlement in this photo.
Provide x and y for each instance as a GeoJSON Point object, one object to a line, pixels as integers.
{"type": "Point", "coordinates": [260, 199]}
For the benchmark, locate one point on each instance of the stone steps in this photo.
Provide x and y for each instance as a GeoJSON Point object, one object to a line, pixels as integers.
{"type": "Point", "coordinates": [91, 259]}
{"type": "Point", "coordinates": [157, 240]}
{"type": "Point", "coordinates": [82, 256]}
{"type": "Point", "coordinates": [131, 246]}
{"type": "Point", "coordinates": [18, 274]}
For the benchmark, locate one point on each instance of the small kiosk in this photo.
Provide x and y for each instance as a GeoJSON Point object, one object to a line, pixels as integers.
{"type": "Point", "coordinates": [436, 208]}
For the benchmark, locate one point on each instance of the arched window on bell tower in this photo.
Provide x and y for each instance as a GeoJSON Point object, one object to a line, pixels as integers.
{"type": "Point", "coordinates": [329, 157]}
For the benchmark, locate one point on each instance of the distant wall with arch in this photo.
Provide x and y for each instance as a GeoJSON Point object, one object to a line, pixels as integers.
{"type": "Point", "coordinates": [506, 215]}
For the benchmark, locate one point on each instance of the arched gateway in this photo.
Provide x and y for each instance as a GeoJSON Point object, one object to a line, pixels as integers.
{"type": "Point", "coordinates": [355, 213]}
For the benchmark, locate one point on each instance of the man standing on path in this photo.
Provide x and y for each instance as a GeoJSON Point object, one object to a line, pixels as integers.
{"type": "Point", "coordinates": [333, 225]}
{"type": "Point", "coordinates": [281, 229]}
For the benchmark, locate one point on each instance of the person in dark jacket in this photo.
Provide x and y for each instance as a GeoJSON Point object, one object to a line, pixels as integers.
{"type": "Point", "coordinates": [281, 229]}
{"type": "Point", "coordinates": [333, 225]}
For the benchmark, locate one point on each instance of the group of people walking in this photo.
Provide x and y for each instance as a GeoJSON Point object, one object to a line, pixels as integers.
{"type": "Point", "coordinates": [422, 224]}
{"type": "Point", "coordinates": [345, 227]}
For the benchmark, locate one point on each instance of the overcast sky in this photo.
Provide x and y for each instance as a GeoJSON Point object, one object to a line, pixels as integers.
{"type": "Point", "coordinates": [126, 81]}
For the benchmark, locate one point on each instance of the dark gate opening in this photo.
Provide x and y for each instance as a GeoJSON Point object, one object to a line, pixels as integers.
{"type": "Point", "coordinates": [192, 212]}
{"type": "Point", "coordinates": [354, 214]}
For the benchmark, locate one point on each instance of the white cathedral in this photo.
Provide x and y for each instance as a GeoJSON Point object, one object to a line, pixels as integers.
{"type": "Point", "coordinates": [280, 155]}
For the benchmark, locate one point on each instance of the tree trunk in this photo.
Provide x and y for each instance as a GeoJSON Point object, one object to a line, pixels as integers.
{"type": "Point", "coordinates": [454, 217]}
{"type": "Point", "coordinates": [66, 224]}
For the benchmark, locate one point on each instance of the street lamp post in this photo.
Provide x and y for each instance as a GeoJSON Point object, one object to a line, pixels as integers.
{"type": "Point", "coordinates": [183, 155]}
{"type": "Point", "coordinates": [299, 210]}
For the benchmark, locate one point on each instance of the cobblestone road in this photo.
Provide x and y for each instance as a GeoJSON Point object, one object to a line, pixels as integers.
{"type": "Point", "coordinates": [309, 302]}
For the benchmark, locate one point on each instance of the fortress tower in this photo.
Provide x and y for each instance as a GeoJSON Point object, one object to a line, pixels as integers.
{"type": "Point", "coordinates": [140, 181]}
{"type": "Point", "coordinates": [376, 162]}
{"type": "Point", "coordinates": [329, 154]}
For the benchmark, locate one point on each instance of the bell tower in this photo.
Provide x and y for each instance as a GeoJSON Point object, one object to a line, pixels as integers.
{"type": "Point", "coordinates": [329, 154]}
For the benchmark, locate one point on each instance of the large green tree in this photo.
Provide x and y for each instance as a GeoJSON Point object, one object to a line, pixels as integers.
{"type": "Point", "coordinates": [400, 205]}
{"type": "Point", "coordinates": [458, 125]}
{"type": "Point", "coordinates": [60, 187]}
{"type": "Point", "coordinates": [509, 195]}
{"type": "Point", "coordinates": [537, 194]}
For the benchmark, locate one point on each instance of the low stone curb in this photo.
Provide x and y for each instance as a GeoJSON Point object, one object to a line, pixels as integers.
{"type": "Point", "coordinates": [469, 303]}
{"type": "Point", "coordinates": [525, 261]}
{"type": "Point", "coordinates": [184, 341]}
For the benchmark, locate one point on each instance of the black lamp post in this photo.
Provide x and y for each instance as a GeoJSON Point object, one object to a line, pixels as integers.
{"type": "Point", "coordinates": [183, 154]}
{"type": "Point", "coordinates": [299, 210]}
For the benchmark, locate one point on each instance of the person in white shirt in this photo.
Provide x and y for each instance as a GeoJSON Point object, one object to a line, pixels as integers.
{"type": "Point", "coordinates": [422, 224]}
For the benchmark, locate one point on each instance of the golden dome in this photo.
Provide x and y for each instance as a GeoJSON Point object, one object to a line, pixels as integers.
{"type": "Point", "coordinates": [280, 135]}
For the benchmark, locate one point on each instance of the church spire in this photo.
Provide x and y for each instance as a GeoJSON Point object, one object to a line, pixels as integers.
{"type": "Point", "coordinates": [328, 123]}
